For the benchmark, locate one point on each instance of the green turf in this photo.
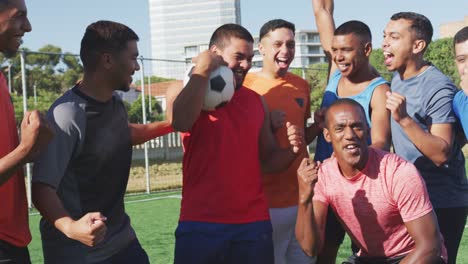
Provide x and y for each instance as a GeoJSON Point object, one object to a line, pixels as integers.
{"type": "Point", "coordinates": [155, 222]}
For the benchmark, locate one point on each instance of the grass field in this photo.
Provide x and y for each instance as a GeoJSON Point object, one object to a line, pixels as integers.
{"type": "Point", "coordinates": [154, 217]}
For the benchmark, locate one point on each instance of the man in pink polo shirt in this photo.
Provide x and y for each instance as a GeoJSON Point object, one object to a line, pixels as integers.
{"type": "Point", "coordinates": [380, 199]}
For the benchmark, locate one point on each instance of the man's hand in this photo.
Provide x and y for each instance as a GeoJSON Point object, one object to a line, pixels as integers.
{"type": "Point", "coordinates": [89, 229]}
{"type": "Point", "coordinates": [396, 103]}
{"type": "Point", "coordinates": [307, 176]}
{"type": "Point", "coordinates": [464, 81]}
{"type": "Point", "coordinates": [295, 137]}
{"type": "Point", "coordinates": [35, 134]}
{"type": "Point", "coordinates": [206, 62]}
{"type": "Point", "coordinates": [278, 119]}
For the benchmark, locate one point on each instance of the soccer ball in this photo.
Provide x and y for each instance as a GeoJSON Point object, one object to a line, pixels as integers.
{"type": "Point", "coordinates": [220, 89]}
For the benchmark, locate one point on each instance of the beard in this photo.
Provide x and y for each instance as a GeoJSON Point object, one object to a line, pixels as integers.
{"type": "Point", "coordinates": [124, 88]}
{"type": "Point", "coordinates": [11, 52]}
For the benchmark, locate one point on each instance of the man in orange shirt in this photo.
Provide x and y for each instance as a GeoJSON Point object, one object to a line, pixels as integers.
{"type": "Point", "coordinates": [288, 98]}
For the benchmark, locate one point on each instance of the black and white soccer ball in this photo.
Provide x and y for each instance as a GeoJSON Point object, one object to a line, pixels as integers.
{"type": "Point", "coordinates": [220, 89]}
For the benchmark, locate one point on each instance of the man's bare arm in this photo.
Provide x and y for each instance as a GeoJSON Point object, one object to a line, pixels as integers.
{"type": "Point", "coordinates": [35, 134]}
{"type": "Point", "coordinates": [380, 118]}
{"type": "Point", "coordinates": [323, 11]}
{"type": "Point", "coordinates": [426, 236]}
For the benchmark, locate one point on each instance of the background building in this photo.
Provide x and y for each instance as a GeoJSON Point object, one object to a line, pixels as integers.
{"type": "Point", "coordinates": [448, 30]}
{"type": "Point", "coordinates": [179, 27]}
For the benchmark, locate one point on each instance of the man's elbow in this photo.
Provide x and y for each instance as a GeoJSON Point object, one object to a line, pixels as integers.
{"type": "Point", "coordinates": [310, 250]}
{"type": "Point", "coordinates": [180, 126]}
{"type": "Point", "coordinates": [432, 253]}
{"type": "Point", "coordinates": [442, 157]}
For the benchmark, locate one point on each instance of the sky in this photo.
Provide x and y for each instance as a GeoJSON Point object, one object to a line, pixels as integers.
{"type": "Point", "coordinates": [62, 23]}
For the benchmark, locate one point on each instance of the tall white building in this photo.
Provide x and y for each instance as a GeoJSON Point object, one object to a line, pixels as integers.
{"type": "Point", "coordinates": [179, 27]}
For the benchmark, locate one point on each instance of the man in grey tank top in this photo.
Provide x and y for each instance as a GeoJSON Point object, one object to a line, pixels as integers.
{"type": "Point", "coordinates": [80, 180]}
{"type": "Point", "coordinates": [423, 122]}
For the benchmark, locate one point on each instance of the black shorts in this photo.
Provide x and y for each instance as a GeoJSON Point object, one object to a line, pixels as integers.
{"type": "Point", "coordinates": [334, 231]}
{"type": "Point", "coordinates": [10, 254]}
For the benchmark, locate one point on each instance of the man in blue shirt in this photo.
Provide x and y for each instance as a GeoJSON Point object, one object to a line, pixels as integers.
{"type": "Point", "coordinates": [460, 102]}
{"type": "Point", "coordinates": [423, 122]}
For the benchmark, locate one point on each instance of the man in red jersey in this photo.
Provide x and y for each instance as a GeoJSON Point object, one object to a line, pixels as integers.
{"type": "Point", "coordinates": [224, 214]}
{"type": "Point", "coordinates": [35, 133]}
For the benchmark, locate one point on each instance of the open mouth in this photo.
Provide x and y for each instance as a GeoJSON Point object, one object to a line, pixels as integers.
{"type": "Point", "coordinates": [388, 58]}
{"type": "Point", "coordinates": [343, 66]}
{"type": "Point", "coordinates": [282, 62]}
{"type": "Point", "coordinates": [352, 148]}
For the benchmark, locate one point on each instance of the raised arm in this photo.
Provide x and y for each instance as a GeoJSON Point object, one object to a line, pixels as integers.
{"type": "Point", "coordinates": [35, 134]}
{"type": "Point", "coordinates": [188, 102]}
{"type": "Point", "coordinates": [272, 157]}
{"type": "Point", "coordinates": [380, 119]}
{"type": "Point", "coordinates": [323, 11]}
{"type": "Point", "coordinates": [426, 236]}
{"type": "Point", "coordinates": [311, 215]}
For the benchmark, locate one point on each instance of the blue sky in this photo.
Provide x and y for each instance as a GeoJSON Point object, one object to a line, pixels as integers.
{"type": "Point", "coordinates": [62, 23]}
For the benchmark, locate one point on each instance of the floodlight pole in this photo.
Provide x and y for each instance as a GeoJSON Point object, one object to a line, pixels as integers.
{"type": "Point", "coordinates": [143, 106]}
{"type": "Point", "coordinates": [25, 109]}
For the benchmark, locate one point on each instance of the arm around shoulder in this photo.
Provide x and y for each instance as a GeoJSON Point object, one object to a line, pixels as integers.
{"type": "Point", "coordinates": [35, 135]}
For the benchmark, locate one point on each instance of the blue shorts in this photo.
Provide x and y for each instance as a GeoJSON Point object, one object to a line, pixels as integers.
{"type": "Point", "coordinates": [205, 243]}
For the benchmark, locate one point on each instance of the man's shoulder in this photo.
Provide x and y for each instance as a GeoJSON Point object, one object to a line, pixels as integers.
{"type": "Point", "coordinates": [67, 110]}
{"type": "Point", "coordinates": [432, 80]}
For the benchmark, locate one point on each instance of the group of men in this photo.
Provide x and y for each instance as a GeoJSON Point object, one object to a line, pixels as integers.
{"type": "Point", "coordinates": [250, 193]}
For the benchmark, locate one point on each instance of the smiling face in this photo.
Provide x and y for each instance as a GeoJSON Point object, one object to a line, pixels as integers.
{"type": "Point", "coordinates": [278, 48]}
{"type": "Point", "coordinates": [13, 24]}
{"type": "Point", "coordinates": [350, 54]}
{"type": "Point", "coordinates": [238, 54]}
{"type": "Point", "coordinates": [125, 65]}
{"type": "Point", "coordinates": [461, 56]}
{"type": "Point", "coordinates": [398, 44]}
{"type": "Point", "coordinates": [347, 131]}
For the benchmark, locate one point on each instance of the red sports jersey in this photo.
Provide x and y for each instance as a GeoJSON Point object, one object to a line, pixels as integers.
{"type": "Point", "coordinates": [221, 168]}
{"type": "Point", "coordinates": [14, 226]}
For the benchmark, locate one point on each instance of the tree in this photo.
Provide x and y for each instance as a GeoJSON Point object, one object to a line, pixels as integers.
{"type": "Point", "coordinates": [135, 114]}
{"type": "Point", "coordinates": [317, 76]}
{"type": "Point", "coordinates": [441, 54]}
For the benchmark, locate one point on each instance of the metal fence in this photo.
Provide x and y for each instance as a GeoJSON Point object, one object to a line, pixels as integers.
{"type": "Point", "coordinates": [156, 165]}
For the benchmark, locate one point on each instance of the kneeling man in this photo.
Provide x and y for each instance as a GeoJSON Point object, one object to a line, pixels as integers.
{"type": "Point", "coordinates": [380, 199]}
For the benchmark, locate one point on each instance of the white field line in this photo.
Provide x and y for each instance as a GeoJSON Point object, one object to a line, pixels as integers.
{"type": "Point", "coordinates": [176, 196]}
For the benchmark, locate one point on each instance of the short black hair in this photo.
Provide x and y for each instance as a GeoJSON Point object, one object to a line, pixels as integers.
{"type": "Point", "coordinates": [224, 33]}
{"type": "Point", "coordinates": [358, 28]}
{"type": "Point", "coordinates": [274, 24]}
{"type": "Point", "coordinates": [420, 25]}
{"type": "Point", "coordinates": [104, 36]}
{"type": "Point", "coordinates": [4, 4]}
{"type": "Point", "coordinates": [345, 101]}
{"type": "Point", "coordinates": [461, 36]}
